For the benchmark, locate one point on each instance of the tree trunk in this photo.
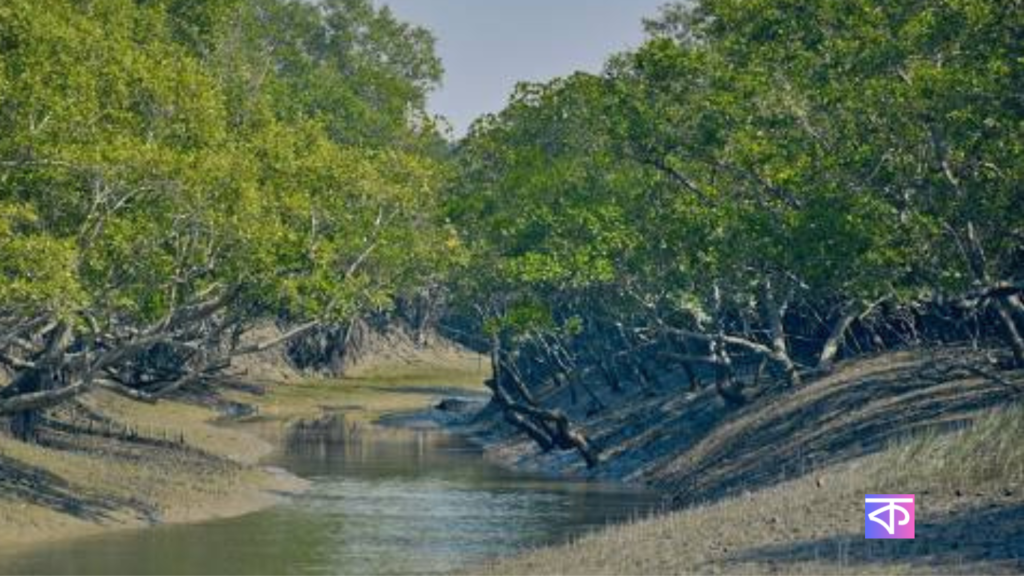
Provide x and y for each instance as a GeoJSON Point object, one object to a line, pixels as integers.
{"type": "Point", "coordinates": [1012, 333]}
{"type": "Point", "coordinates": [1004, 307]}
{"type": "Point", "coordinates": [725, 375]}
{"type": "Point", "coordinates": [549, 428]}
{"type": "Point", "coordinates": [1016, 307]}
{"type": "Point", "coordinates": [692, 376]}
{"type": "Point", "coordinates": [24, 422]}
{"type": "Point", "coordinates": [39, 387]}
{"type": "Point", "coordinates": [725, 380]}
{"type": "Point", "coordinates": [534, 432]}
{"type": "Point", "coordinates": [608, 373]}
{"type": "Point", "coordinates": [849, 313]}
{"type": "Point", "coordinates": [579, 379]}
{"type": "Point", "coordinates": [345, 351]}
{"type": "Point", "coordinates": [780, 350]}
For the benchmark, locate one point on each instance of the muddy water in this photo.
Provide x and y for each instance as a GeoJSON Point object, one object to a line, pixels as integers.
{"type": "Point", "coordinates": [382, 502]}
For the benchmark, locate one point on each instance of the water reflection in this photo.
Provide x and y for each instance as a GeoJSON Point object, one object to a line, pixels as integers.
{"type": "Point", "coordinates": [382, 502]}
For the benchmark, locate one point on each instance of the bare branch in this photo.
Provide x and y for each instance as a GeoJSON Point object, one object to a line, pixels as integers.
{"type": "Point", "coordinates": [296, 332]}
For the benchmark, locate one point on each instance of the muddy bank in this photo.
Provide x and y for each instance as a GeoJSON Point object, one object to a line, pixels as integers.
{"type": "Point", "coordinates": [969, 500]}
{"type": "Point", "coordinates": [109, 463]}
{"type": "Point", "coordinates": [777, 486]}
{"type": "Point", "coordinates": [697, 449]}
{"type": "Point", "coordinates": [175, 464]}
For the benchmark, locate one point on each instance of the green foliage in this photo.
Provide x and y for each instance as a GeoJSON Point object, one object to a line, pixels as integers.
{"type": "Point", "coordinates": [829, 151]}
{"type": "Point", "coordinates": [35, 268]}
{"type": "Point", "coordinates": [154, 153]}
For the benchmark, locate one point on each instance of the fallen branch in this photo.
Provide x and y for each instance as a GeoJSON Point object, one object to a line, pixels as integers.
{"type": "Point", "coordinates": [44, 399]}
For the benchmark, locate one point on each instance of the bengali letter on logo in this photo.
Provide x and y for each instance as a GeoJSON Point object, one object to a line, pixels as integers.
{"type": "Point", "coordinates": [889, 516]}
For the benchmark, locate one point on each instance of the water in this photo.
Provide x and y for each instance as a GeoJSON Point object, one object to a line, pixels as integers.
{"type": "Point", "coordinates": [381, 502]}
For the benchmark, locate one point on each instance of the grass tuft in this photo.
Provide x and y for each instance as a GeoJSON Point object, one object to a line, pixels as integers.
{"type": "Point", "coordinates": [990, 450]}
{"type": "Point", "coordinates": [969, 485]}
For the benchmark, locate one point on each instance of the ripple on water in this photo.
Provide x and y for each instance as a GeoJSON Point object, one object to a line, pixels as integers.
{"type": "Point", "coordinates": [394, 503]}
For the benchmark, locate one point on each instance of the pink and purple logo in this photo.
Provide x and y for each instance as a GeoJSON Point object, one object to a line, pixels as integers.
{"type": "Point", "coordinates": [889, 516]}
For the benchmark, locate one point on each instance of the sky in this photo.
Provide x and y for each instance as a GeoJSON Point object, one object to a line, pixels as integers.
{"type": "Point", "coordinates": [487, 46]}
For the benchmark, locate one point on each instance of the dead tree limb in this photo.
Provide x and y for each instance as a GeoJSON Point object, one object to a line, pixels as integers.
{"type": "Point", "coordinates": [549, 428]}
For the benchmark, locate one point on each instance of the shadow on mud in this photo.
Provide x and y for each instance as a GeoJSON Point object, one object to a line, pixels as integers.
{"type": "Point", "coordinates": [992, 536]}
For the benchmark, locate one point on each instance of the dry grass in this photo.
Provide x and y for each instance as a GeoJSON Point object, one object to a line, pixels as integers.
{"type": "Point", "coordinates": [990, 451]}
{"type": "Point", "coordinates": [865, 407]}
{"type": "Point", "coordinates": [970, 518]}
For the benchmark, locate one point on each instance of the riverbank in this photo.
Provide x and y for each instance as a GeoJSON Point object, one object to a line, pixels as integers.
{"type": "Point", "coordinates": [112, 464]}
{"type": "Point", "coordinates": [777, 486]}
{"type": "Point", "coordinates": [175, 464]}
{"type": "Point", "coordinates": [969, 519]}
{"type": "Point", "coordinates": [695, 447]}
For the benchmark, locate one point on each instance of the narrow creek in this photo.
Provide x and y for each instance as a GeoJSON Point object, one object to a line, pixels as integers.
{"type": "Point", "coordinates": [382, 501]}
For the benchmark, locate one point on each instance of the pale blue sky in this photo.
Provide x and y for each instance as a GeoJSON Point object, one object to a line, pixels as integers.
{"type": "Point", "coordinates": [489, 45]}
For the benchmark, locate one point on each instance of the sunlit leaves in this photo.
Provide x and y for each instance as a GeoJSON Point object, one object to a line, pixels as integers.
{"type": "Point", "coordinates": [36, 270]}
{"type": "Point", "coordinates": [153, 152]}
{"type": "Point", "coordinates": [835, 151]}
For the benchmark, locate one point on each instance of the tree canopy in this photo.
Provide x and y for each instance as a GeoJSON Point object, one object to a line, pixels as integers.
{"type": "Point", "coordinates": [173, 172]}
{"type": "Point", "coordinates": [757, 182]}
{"type": "Point", "coordinates": [754, 181]}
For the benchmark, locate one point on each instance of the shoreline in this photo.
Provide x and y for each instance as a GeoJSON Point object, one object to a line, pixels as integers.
{"type": "Point", "coordinates": [270, 491]}
{"type": "Point", "coordinates": [74, 486]}
{"type": "Point", "coordinates": [799, 510]}
{"type": "Point", "coordinates": [251, 487]}
{"type": "Point", "coordinates": [806, 517]}
{"type": "Point", "coordinates": [741, 531]}
{"type": "Point", "coordinates": [503, 447]}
